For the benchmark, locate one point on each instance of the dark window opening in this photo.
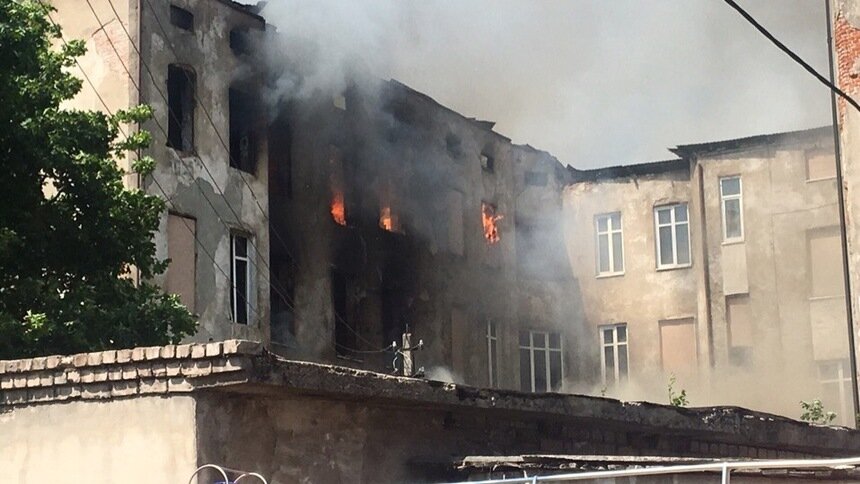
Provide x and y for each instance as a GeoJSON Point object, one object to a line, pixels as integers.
{"type": "Point", "coordinates": [488, 163]}
{"type": "Point", "coordinates": [536, 178]}
{"type": "Point", "coordinates": [240, 41]}
{"type": "Point", "coordinates": [242, 131]}
{"type": "Point", "coordinates": [454, 145]}
{"type": "Point", "coordinates": [180, 101]}
{"type": "Point", "coordinates": [280, 156]}
{"type": "Point", "coordinates": [181, 18]}
{"type": "Point", "coordinates": [345, 334]}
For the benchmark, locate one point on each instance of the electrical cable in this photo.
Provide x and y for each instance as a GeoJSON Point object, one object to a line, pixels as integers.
{"type": "Point", "coordinates": [796, 58]}
{"type": "Point", "coordinates": [284, 298]}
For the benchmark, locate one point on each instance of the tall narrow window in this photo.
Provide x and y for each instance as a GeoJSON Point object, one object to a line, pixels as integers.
{"type": "Point", "coordinates": [835, 379]}
{"type": "Point", "coordinates": [731, 200]}
{"type": "Point", "coordinates": [345, 333]}
{"type": "Point", "coordinates": [541, 361]}
{"type": "Point", "coordinates": [613, 341]}
{"type": "Point", "coordinates": [610, 250]}
{"type": "Point", "coordinates": [242, 130]}
{"type": "Point", "coordinates": [180, 100]}
{"type": "Point", "coordinates": [673, 236]}
{"type": "Point", "coordinates": [240, 272]}
{"type": "Point", "coordinates": [492, 355]}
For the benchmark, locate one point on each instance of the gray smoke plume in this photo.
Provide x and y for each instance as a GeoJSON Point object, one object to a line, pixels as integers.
{"type": "Point", "coordinates": [593, 82]}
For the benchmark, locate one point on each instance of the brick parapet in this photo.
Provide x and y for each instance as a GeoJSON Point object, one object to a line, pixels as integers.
{"type": "Point", "coordinates": [126, 372]}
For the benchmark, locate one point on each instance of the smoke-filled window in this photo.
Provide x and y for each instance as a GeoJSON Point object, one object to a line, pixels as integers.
{"type": "Point", "coordinates": [541, 361]}
{"type": "Point", "coordinates": [488, 163]}
{"type": "Point", "coordinates": [610, 244]}
{"type": "Point", "coordinates": [240, 41]}
{"type": "Point", "coordinates": [180, 101]}
{"type": "Point", "coordinates": [536, 178]}
{"type": "Point", "coordinates": [673, 236]}
{"type": "Point", "coordinates": [731, 202]}
{"type": "Point", "coordinates": [240, 275]}
{"type": "Point", "coordinates": [613, 353]}
{"type": "Point", "coordinates": [454, 145]}
{"type": "Point", "coordinates": [243, 123]}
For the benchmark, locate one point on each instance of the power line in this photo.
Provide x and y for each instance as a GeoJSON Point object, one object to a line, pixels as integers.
{"type": "Point", "coordinates": [167, 198]}
{"type": "Point", "coordinates": [796, 58]}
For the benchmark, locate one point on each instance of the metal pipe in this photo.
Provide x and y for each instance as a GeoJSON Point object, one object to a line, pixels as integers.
{"type": "Point", "coordinates": [843, 224]}
{"type": "Point", "coordinates": [724, 467]}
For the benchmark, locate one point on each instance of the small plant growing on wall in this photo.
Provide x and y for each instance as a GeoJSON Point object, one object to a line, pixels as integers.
{"type": "Point", "coordinates": [813, 412]}
{"type": "Point", "coordinates": [677, 399]}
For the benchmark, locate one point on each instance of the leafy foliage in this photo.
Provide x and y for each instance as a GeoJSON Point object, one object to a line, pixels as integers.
{"type": "Point", "coordinates": [71, 234]}
{"type": "Point", "coordinates": [677, 399]}
{"type": "Point", "coordinates": [813, 412]}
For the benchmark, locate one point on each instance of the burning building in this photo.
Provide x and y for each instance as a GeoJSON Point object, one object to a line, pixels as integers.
{"type": "Point", "coordinates": [416, 225]}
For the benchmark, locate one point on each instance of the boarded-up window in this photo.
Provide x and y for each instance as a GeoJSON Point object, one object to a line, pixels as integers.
{"type": "Point", "coordinates": [820, 165]}
{"type": "Point", "coordinates": [825, 262]}
{"type": "Point", "coordinates": [678, 346]}
{"type": "Point", "coordinates": [739, 320]}
{"type": "Point", "coordinates": [182, 252]}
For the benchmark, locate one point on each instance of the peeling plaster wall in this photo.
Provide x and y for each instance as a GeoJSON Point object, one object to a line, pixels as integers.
{"type": "Point", "coordinates": [202, 184]}
{"type": "Point", "coordinates": [193, 182]}
{"type": "Point", "coordinates": [140, 440]}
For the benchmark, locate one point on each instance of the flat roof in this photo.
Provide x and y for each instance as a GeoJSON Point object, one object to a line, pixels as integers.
{"type": "Point", "coordinates": [713, 147]}
{"type": "Point", "coordinates": [622, 171]}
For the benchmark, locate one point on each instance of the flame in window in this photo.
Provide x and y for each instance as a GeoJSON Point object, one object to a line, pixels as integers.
{"type": "Point", "coordinates": [388, 220]}
{"type": "Point", "coordinates": [338, 209]}
{"type": "Point", "coordinates": [490, 219]}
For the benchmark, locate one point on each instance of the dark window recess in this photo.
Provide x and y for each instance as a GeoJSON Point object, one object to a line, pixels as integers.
{"type": "Point", "coordinates": [344, 333]}
{"type": "Point", "coordinates": [181, 18]}
{"type": "Point", "coordinates": [536, 178]}
{"type": "Point", "coordinates": [488, 163]}
{"type": "Point", "coordinates": [240, 41]}
{"type": "Point", "coordinates": [242, 131]}
{"type": "Point", "coordinates": [454, 145]}
{"type": "Point", "coordinates": [180, 101]}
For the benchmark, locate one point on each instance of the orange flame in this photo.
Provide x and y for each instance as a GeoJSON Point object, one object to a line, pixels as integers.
{"type": "Point", "coordinates": [489, 219]}
{"type": "Point", "coordinates": [388, 221]}
{"type": "Point", "coordinates": [338, 209]}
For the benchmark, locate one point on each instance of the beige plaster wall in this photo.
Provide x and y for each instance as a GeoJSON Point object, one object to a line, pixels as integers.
{"type": "Point", "coordinates": [643, 295]}
{"type": "Point", "coordinates": [139, 440]}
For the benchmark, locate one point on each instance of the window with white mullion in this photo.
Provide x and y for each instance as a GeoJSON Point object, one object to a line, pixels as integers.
{"type": "Point", "coordinates": [610, 244]}
{"type": "Point", "coordinates": [613, 354]}
{"type": "Point", "coordinates": [732, 208]}
{"type": "Point", "coordinates": [240, 273]}
{"type": "Point", "coordinates": [541, 361]}
{"type": "Point", "coordinates": [673, 235]}
{"type": "Point", "coordinates": [492, 355]}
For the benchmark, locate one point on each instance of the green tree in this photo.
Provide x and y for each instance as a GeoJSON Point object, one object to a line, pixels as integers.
{"type": "Point", "coordinates": [70, 232]}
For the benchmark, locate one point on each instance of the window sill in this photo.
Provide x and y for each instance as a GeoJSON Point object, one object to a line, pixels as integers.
{"type": "Point", "coordinates": [733, 242]}
{"type": "Point", "coordinates": [243, 171]}
{"type": "Point", "coordinates": [813, 180]}
{"type": "Point", "coordinates": [673, 268]}
{"type": "Point", "coordinates": [608, 275]}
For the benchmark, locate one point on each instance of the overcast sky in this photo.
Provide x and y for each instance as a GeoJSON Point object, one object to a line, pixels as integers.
{"type": "Point", "coordinates": [594, 82]}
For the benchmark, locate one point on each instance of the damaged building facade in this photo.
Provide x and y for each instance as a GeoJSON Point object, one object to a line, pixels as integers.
{"type": "Point", "coordinates": [722, 269]}
{"type": "Point", "coordinates": [401, 215]}
{"type": "Point", "coordinates": [188, 60]}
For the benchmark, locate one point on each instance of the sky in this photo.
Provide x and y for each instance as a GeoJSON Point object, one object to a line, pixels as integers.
{"type": "Point", "coordinates": [594, 82]}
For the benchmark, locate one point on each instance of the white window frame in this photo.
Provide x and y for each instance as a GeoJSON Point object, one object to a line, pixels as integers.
{"type": "Point", "coordinates": [492, 354]}
{"type": "Point", "coordinates": [673, 225]}
{"type": "Point", "coordinates": [609, 232]}
{"type": "Point", "coordinates": [843, 380]}
{"type": "Point", "coordinates": [546, 349]}
{"type": "Point", "coordinates": [235, 295]}
{"type": "Point", "coordinates": [616, 346]}
{"type": "Point", "coordinates": [740, 198]}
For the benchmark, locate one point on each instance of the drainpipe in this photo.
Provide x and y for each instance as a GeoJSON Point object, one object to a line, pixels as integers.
{"type": "Point", "coordinates": [852, 355]}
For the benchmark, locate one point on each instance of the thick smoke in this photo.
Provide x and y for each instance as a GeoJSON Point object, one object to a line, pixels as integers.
{"type": "Point", "coordinates": [593, 82]}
